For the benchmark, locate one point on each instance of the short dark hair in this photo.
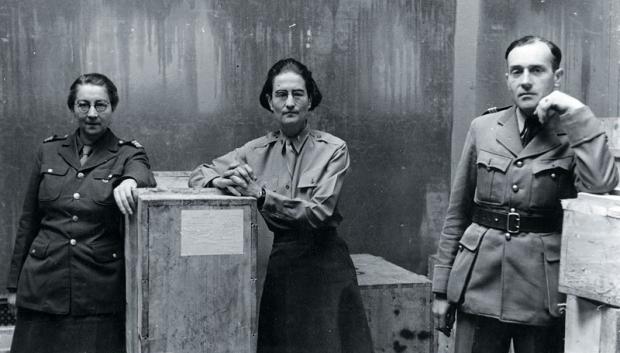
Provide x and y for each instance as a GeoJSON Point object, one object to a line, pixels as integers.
{"type": "Point", "coordinates": [295, 66]}
{"type": "Point", "coordinates": [96, 79]}
{"type": "Point", "coordinates": [555, 50]}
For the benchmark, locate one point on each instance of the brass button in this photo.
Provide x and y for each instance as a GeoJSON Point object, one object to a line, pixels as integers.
{"type": "Point", "coordinates": [73, 242]}
{"type": "Point", "coordinates": [75, 218]}
{"type": "Point", "coordinates": [519, 164]}
{"type": "Point", "coordinates": [114, 255]}
{"type": "Point", "coordinates": [496, 219]}
{"type": "Point", "coordinates": [33, 251]}
{"type": "Point", "coordinates": [507, 236]}
{"type": "Point", "coordinates": [513, 210]}
{"type": "Point", "coordinates": [76, 196]}
{"type": "Point", "coordinates": [553, 175]}
{"type": "Point", "coordinates": [460, 247]}
{"type": "Point", "coordinates": [515, 187]}
{"type": "Point", "coordinates": [80, 175]}
{"type": "Point", "coordinates": [50, 170]}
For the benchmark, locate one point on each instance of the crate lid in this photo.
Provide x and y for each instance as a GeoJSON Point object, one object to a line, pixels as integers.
{"type": "Point", "coordinates": [376, 271]}
{"type": "Point", "coordinates": [601, 205]}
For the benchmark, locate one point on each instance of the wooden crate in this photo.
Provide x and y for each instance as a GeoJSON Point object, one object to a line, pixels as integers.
{"type": "Point", "coordinates": [191, 273]}
{"type": "Point", "coordinates": [590, 248]}
{"type": "Point", "coordinates": [398, 305]}
{"type": "Point", "coordinates": [591, 327]}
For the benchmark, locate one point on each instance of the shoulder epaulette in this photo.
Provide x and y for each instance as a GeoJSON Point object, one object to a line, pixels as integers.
{"type": "Point", "coordinates": [55, 138]}
{"type": "Point", "coordinates": [133, 143]}
{"type": "Point", "coordinates": [495, 110]}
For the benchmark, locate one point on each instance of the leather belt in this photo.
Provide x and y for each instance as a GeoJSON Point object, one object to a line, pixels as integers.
{"type": "Point", "coordinates": [514, 222]}
{"type": "Point", "coordinates": [320, 235]}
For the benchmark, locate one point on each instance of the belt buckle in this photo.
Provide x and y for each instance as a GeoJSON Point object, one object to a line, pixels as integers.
{"type": "Point", "coordinates": [513, 222]}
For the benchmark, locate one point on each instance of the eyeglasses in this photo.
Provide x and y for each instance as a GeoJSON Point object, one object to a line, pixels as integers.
{"type": "Point", "coordinates": [84, 106]}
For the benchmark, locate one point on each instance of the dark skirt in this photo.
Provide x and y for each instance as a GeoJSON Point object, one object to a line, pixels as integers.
{"type": "Point", "coordinates": [39, 332]}
{"type": "Point", "coordinates": [311, 302]}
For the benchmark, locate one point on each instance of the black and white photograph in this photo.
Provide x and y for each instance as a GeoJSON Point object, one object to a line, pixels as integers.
{"type": "Point", "coordinates": [328, 176]}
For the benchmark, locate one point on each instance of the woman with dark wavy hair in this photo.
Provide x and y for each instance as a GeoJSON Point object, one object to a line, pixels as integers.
{"type": "Point", "coordinates": [311, 301]}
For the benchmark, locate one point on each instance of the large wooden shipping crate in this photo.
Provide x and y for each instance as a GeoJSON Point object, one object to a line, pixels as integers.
{"type": "Point", "coordinates": [191, 273]}
{"type": "Point", "coordinates": [590, 261]}
{"type": "Point", "coordinates": [397, 304]}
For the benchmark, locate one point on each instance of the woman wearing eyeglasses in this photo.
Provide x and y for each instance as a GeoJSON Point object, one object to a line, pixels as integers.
{"type": "Point", "coordinates": [311, 302]}
{"type": "Point", "coordinates": [67, 270]}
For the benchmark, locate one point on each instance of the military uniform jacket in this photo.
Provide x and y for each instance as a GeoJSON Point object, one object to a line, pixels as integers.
{"type": "Point", "coordinates": [514, 277]}
{"type": "Point", "coordinates": [68, 255]}
{"type": "Point", "coordinates": [302, 199]}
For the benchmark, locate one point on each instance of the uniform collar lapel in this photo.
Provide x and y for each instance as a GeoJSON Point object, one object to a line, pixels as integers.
{"type": "Point", "coordinates": [545, 140]}
{"type": "Point", "coordinates": [508, 131]}
{"type": "Point", "coordinates": [103, 150]}
{"type": "Point", "coordinates": [68, 151]}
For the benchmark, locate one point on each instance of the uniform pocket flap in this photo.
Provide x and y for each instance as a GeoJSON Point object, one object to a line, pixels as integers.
{"type": "Point", "coordinates": [552, 245]}
{"type": "Point", "coordinates": [105, 174]}
{"type": "Point", "coordinates": [471, 238]}
{"type": "Point", "coordinates": [492, 160]}
{"type": "Point", "coordinates": [38, 249]}
{"type": "Point", "coordinates": [54, 169]}
{"type": "Point", "coordinates": [107, 252]}
{"type": "Point", "coordinates": [549, 164]}
{"type": "Point", "coordinates": [309, 179]}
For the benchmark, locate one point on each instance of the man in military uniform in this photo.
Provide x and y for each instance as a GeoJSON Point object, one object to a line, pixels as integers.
{"type": "Point", "coordinates": [499, 251]}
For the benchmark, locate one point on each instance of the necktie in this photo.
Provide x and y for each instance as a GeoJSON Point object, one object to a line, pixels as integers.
{"type": "Point", "coordinates": [531, 128]}
{"type": "Point", "coordinates": [85, 153]}
{"type": "Point", "coordinates": [291, 156]}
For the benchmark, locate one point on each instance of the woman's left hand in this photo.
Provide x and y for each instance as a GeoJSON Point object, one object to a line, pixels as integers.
{"type": "Point", "coordinates": [123, 195]}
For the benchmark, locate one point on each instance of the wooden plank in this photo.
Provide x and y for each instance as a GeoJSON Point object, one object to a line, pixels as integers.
{"type": "Point", "coordinates": [187, 301]}
{"type": "Point", "coordinates": [172, 179]}
{"type": "Point", "coordinates": [612, 128]}
{"type": "Point", "coordinates": [398, 305]}
{"type": "Point", "coordinates": [590, 246]}
{"type": "Point", "coordinates": [6, 336]}
{"type": "Point", "coordinates": [591, 327]}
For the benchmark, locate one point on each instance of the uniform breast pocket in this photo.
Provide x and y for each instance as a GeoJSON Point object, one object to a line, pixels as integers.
{"type": "Point", "coordinates": [308, 181]}
{"type": "Point", "coordinates": [102, 186]}
{"type": "Point", "coordinates": [52, 182]}
{"type": "Point", "coordinates": [491, 182]}
{"type": "Point", "coordinates": [552, 179]}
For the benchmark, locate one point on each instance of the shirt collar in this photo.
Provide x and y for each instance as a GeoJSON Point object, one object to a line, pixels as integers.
{"type": "Point", "coordinates": [297, 141]}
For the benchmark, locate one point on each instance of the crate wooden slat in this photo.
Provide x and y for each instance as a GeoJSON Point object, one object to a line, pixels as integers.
{"type": "Point", "coordinates": [591, 327]}
{"type": "Point", "coordinates": [175, 179]}
{"type": "Point", "coordinates": [590, 261]}
{"type": "Point", "coordinates": [612, 128]}
{"type": "Point", "coordinates": [6, 336]}
{"type": "Point", "coordinates": [191, 287]}
{"type": "Point", "coordinates": [397, 303]}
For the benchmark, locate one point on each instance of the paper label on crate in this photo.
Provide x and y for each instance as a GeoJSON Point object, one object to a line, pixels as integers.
{"type": "Point", "coordinates": [211, 232]}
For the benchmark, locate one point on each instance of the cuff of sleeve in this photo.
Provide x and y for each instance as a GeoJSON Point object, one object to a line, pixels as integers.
{"type": "Point", "coordinates": [123, 178]}
{"type": "Point", "coordinates": [581, 126]}
{"type": "Point", "coordinates": [440, 278]}
{"type": "Point", "coordinates": [202, 177]}
{"type": "Point", "coordinates": [269, 203]}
